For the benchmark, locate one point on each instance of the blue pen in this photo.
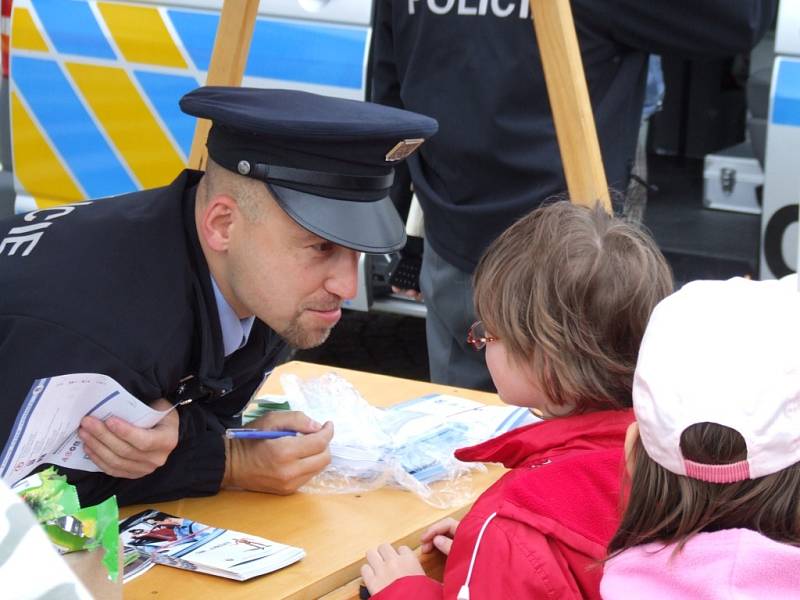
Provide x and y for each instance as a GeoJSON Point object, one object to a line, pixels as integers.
{"type": "Point", "coordinates": [256, 434]}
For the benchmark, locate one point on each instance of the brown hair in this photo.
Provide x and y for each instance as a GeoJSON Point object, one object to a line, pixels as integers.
{"type": "Point", "coordinates": [569, 290]}
{"type": "Point", "coordinates": [670, 508]}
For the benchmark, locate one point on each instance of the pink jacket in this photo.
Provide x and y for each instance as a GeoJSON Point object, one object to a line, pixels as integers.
{"type": "Point", "coordinates": [728, 564]}
{"type": "Point", "coordinates": [541, 530]}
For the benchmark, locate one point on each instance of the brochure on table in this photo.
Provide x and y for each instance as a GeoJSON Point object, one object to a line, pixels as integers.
{"type": "Point", "coordinates": [152, 537]}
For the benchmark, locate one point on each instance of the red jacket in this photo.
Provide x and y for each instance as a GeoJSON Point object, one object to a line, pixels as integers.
{"type": "Point", "coordinates": [545, 523]}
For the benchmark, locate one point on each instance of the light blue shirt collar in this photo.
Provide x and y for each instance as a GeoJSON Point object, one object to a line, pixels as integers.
{"type": "Point", "coordinates": [235, 331]}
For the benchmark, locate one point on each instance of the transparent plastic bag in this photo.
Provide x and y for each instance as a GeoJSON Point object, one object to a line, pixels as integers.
{"type": "Point", "coordinates": [372, 448]}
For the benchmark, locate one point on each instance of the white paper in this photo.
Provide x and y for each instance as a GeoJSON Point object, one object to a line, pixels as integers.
{"type": "Point", "coordinates": [46, 427]}
{"type": "Point", "coordinates": [481, 421]}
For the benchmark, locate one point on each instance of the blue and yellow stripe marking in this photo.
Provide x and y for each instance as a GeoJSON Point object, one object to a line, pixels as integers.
{"type": "Point", "coordinates": [96, 86]}
{"type": "Point", "coordinates": [321, 54]}
{"type": "Point", "coordinates": [72, 28]}
{"type": "Point", "coordinates": [786, 107]}
{"type": "Point", "coordinates": [70, 127]}
{"type": "Point", "coordinates": [126, 24]}
{"type": "Point", "coordinates": [196, 31]}
{"type": "Point", "coordinates": [163, 91]}
{"type": "Point", "coordinates": [310, 53]}
{"type": "Point", "coordinates": [36, 165]}
{"type": "Point", "coordinates": [127, 120]}
{"type": "Point", "coordinates": [26, 36]}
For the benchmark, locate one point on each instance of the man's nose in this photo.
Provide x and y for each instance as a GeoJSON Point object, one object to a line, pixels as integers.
{"type": "Point", "coordinates": [343, 279]}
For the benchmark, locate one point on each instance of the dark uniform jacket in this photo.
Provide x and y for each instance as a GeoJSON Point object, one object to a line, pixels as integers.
{"type": "Point", "coordinates": [120, 286]}
{"type": "Point", "coordinates": [474, 66]}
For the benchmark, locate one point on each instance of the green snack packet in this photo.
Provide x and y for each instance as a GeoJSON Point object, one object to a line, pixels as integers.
{"type": "Point", "coordinates": [48, 495]}
{"type": "Point", "coordinates": [268, 405]}
{"type": "Point", "coordinates": [262, 406]}
{"type": "Point", "coordinates": [249, 417]}
{"type": "Point", "coordinates": [55, 504]}
{"type": "Point", "coordinates": [87, 529]}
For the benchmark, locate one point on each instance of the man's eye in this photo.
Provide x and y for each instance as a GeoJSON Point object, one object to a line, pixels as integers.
{"type": "Point", "coordinates": [323, 247]}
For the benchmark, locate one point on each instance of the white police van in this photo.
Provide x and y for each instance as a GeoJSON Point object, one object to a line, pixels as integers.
{"type": "Point", "coordinates": [94, 84]}
{"type": "Point", "coordinates": [780, 230]}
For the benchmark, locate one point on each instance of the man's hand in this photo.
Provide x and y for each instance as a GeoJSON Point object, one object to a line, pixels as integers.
{"type": "Point", "coordinates": [278, 466]}
{"type": "Point", "coordinates": [410, 294]}
{"type": "Point", "coordinates": [124, 450]}
{"type": "Point", "coordinates": [440, 536]}
{"type": "Point", "coordinates": [385, 565]}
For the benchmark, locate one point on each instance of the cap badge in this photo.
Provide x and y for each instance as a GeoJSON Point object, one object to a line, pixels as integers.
{"type": "Point", "coordinates": [243, 167]}
{"type": "Point", "coordinates": [403, 149]}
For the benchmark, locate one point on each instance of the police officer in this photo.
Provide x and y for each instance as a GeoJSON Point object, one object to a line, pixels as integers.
{"type": "Point", "coordinates": [191, 292]}
{"type": "Point", "coordinates": [474, 65]}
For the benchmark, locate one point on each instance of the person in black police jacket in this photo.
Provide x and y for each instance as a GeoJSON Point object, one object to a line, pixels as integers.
{"type": "Point", "coordinates": [193, 290]}
{"type": "Point", "coordinates": [474, 65]}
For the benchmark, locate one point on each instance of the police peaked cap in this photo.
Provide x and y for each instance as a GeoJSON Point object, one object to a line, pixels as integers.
{"type": "Point", "coordinates": [327, 161]}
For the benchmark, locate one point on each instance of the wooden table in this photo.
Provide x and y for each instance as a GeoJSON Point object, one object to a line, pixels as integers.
{"type": "Point", "coordinates": [335, 530]}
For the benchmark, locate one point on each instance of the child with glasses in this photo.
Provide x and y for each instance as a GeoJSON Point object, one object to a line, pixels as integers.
{"type": "Point", "coordinates": [563, 296]}
{"type": "Point", "coordinates": [714, 455]}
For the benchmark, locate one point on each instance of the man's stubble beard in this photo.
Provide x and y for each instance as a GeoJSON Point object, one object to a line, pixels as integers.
{"type": "Point", "coordinates": [300, 338]}
{"type": "Point", "coordinates": [303, 338]}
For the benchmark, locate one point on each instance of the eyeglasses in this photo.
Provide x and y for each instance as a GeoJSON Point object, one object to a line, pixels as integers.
{"type": "Point", "coordinates": [477, 337]}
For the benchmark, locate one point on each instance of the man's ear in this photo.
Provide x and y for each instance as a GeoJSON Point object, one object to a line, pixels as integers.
{"type": "Point", "coordinates": [215, 221]}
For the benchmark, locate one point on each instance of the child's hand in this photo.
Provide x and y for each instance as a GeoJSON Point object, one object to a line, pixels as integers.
{"type": "Point", "coordinates": [439, 536]}
{"type": "Point", "coordinates": [386, 565]}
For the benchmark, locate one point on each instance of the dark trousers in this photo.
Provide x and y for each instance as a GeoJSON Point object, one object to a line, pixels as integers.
{"type": "Point", "coordinates": [448, 298]}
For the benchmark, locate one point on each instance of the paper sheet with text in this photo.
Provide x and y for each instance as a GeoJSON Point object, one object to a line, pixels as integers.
{"type": "Point", "coordinates": [46, 429]}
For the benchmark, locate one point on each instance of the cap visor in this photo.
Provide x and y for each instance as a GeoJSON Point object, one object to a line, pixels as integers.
{"type": "Point", "coordinates": [371, 227]}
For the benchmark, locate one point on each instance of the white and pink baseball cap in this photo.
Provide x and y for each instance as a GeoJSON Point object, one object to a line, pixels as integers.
{"type": "Point", "coordinates": [725, 352]}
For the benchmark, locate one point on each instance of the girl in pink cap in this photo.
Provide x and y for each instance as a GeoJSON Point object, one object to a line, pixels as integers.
{"type": "Point", "coordinates": [714, 454]}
